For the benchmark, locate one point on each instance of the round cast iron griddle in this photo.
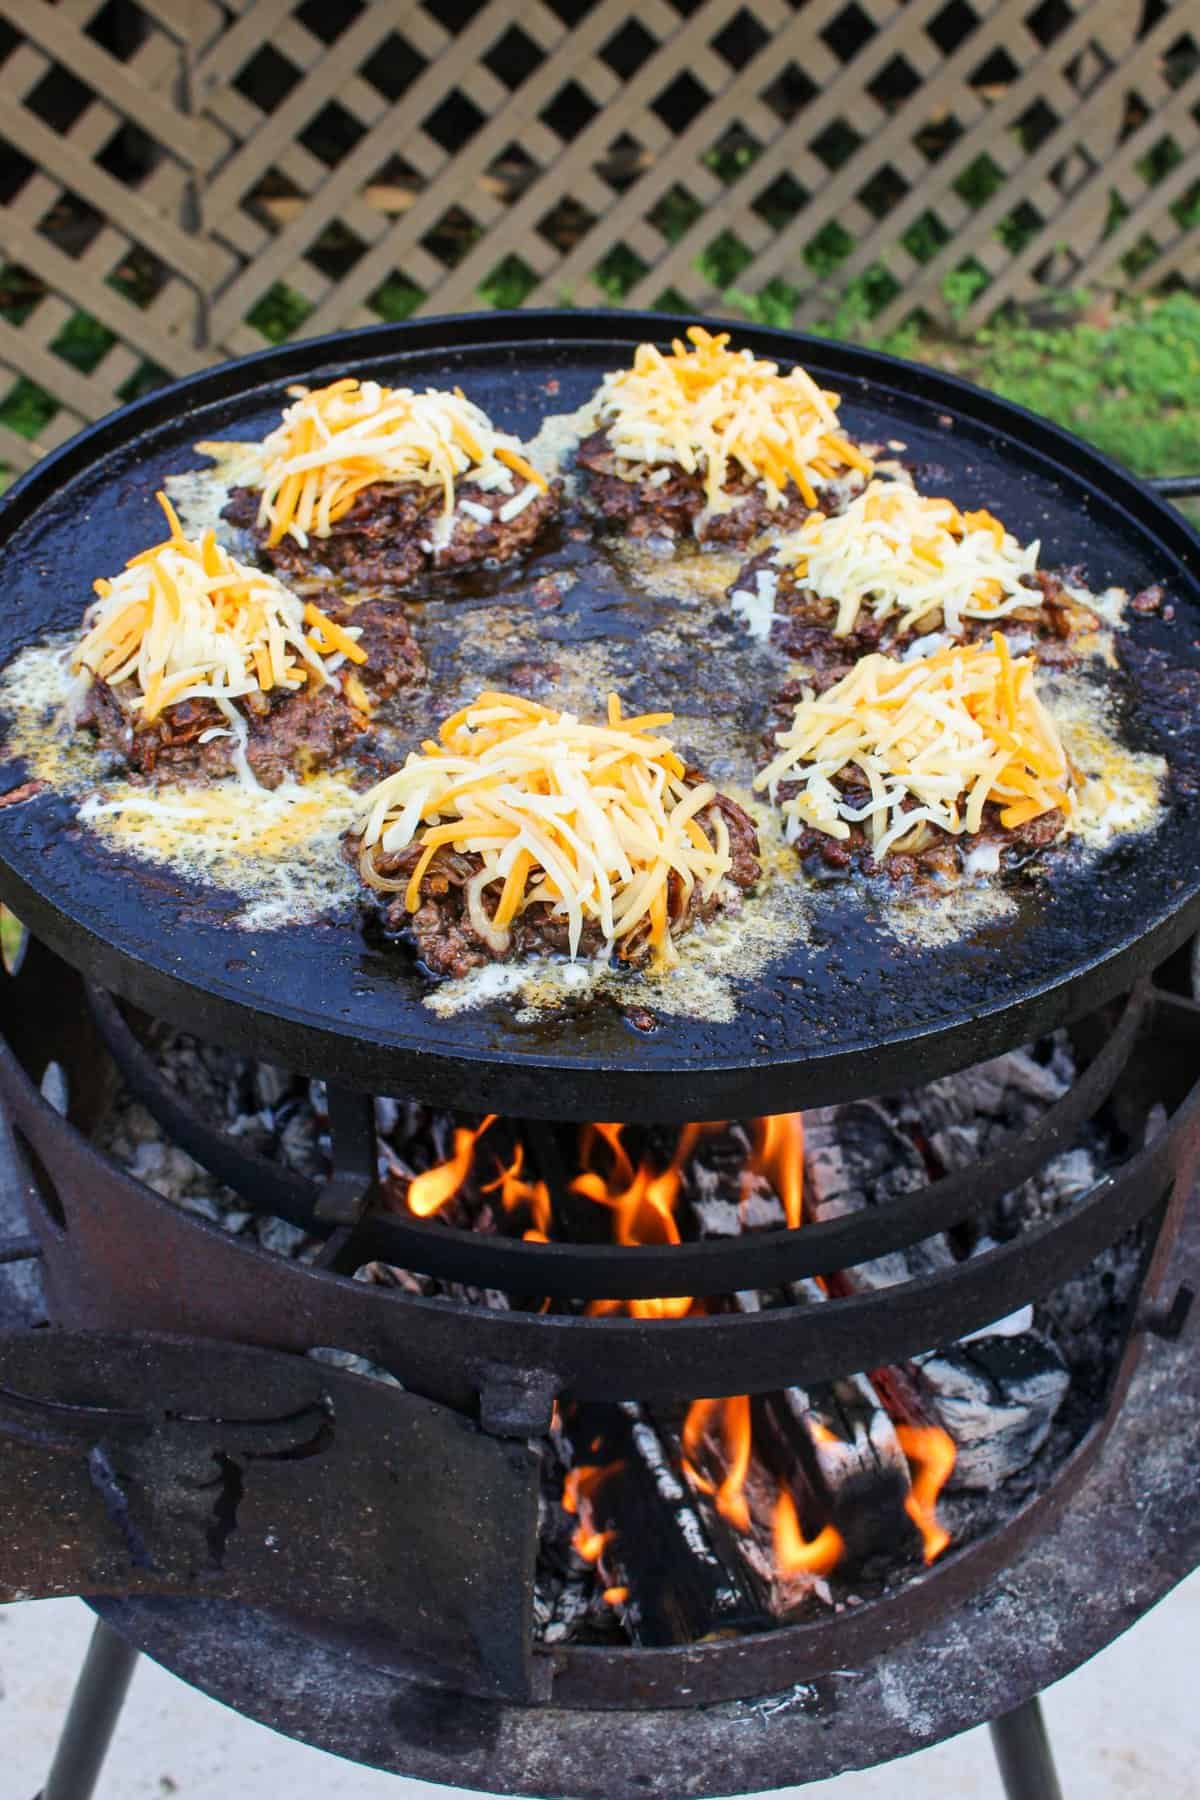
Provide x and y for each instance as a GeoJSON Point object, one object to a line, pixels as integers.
{"type": "Point", "coordinates": [851, 1011]}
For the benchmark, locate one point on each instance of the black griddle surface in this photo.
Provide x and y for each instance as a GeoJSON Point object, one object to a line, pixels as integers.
{"type": "Point", "coordinates": [854, 1009]}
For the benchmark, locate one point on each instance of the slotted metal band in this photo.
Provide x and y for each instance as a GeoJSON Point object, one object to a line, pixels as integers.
{"type": "Point", "coordinates": [606, 1271]}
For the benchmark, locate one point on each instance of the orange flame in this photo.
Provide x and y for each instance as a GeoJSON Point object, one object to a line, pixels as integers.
{"type": "Point", "coordinates": [515, 1191]}
{"type": "Point", "coordinates": [730, 1495]}
{"type": "Point", "coordinates": [429, 1192]}
{"type": "Point", "coordinates": [582, 1481]}
{"type": "Point", "coordinates": [579, 1485]}
{"type": "Point", "coordinates": [796, 1555]}
{"type": "Point", "coordinates": [931, 1456]}
{"type": "Point", "coordinates": [616, 1596]}
{"type": "Point", "coordinates": [643, 1205]}
{"type": "Point", "coordinates": [590, 1544]}
{"type": "Point", "coordinates": [779, 1157]}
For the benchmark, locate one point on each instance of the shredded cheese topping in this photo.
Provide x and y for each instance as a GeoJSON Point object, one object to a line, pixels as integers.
{"type": "Point", "coordinates": [713, 410]}
{"type": "Point", "coordinates": [932, 741]}
{"type": "Point", "coordinates": [591, 820]}
{"type": "Point", "coordinates": [334, 441]}
{"type": "Point", "coordinates": [186, 621]}
{"type": "Point", "coordinates": [897, 551]}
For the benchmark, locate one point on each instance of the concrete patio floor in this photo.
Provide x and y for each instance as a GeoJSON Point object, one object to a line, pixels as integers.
{"type": "Point", "coordinates": [1125, 1725]}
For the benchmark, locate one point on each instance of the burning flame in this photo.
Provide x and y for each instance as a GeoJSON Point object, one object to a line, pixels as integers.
{"type": "Point", "coordinates": [643, 1205]}
{"type": "Point", "coordinates": [590, 1543]}
{"type": "Point", "coordinates": [730, 1496]}
{"type": "Point", "coordinates": [431, 1191]}
{"type": "Point", "coordinates": [582, 1481]}
{"type": "Point", "coordinates": [779, 1157]}
{"type": "Point", "coordinates": [515, 1191]}
{"type": "Point", "coordinates": [616, 1596]}
{"type": "Point", "coordinates": [641, 1200]}
{"type": "Point", "coordinates": [794, 1554]}
{"type": "Point", "coordinates": [931, 1456]}
{"type": "Point", "coordinates": [578, 1488]}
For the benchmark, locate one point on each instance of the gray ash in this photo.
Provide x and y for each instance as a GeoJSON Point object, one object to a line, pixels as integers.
{"type": "Point", "coordinates": [1016, 1397]}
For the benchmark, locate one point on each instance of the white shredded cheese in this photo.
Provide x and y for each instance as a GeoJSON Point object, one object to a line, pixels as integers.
{"type": "Point", "coordinates": [589, 820]}
{"type": "Point", "coordinates": [715, 411]}
{"type": "Point", "coordinates": [333, 442]}
{"type": "Point", "coordinates": [512, 509]}
{"type": "Point", "coordinates": [929, 743]}
{"type": "Point", "coordinates": [186, 621]}
{"type": "Point", "coordinates": [901, 553]}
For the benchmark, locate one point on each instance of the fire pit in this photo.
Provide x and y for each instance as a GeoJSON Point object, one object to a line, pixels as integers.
{"type": "Point", "coordinates": [572, 1418]}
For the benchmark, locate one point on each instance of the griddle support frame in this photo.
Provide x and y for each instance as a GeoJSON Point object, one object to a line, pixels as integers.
{"type": "Point", "coordinates": [1023, 1753]}
{"type": "Point", "coordinates": [92, 1716]}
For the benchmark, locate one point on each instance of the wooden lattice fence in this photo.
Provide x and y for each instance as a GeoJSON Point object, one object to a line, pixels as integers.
{"type": "Point", "coordinates": [184, 180]}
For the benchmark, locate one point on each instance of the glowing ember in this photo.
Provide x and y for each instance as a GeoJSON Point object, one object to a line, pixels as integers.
{"type": "Point", "coordinates": [779, 1157]}
{"type": "Point", "coordinates": [515, 1191]}
{"type": "Point", "coordinates": [931, 1456]}
{"type": "Point", "coordinates": [429, 1192]}
{"type": "Point", "coordinates": [616, 1596]}
{"type": "Point", "coordinates": [794, 1554]}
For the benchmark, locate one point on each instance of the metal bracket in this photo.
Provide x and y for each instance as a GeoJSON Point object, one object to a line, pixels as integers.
{"type": "Point", "coordinates": [145, 1465]}
{"type": "Point", "coordinates": [517, 1403]}
{"type": "Point", "coordinates": [1167, 1320]}
{"type": "Point", "coordinates": [345, 1196]}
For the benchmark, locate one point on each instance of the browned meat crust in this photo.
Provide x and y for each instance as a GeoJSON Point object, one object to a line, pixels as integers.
{"type": "Point", "coordinates": [674, 506]}
{"type": "Point", "coordinates": [940, 860]}
{"type": "Point", "coordinates": [937, 863]}
{"type": "Point", "coordinates": [290, 733]}
{"type": "Point", "coordinates": [386, 534]}
{"type": "Point", "coordinates": [803, 626]}
{"type": "Point", "coordinates": [445, 941]}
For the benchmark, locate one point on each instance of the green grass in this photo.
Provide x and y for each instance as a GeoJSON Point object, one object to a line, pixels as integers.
{"type": "Point", "coordinates": [1130, 384]}
{"type": "Point", "coordinates": [280, 313]}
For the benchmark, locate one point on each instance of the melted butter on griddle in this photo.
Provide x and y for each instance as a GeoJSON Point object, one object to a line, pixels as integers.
{"type": "Point", "coordinates": [687, 575]}
{"type": "Point", "coordinates": [713, 958]}
{"type": "Point", "coordinates": [281, 854]}
{"type": "Point", "coordinates": [1120, 791]}
{"type": "Point", "coordinates": [35, 692]}
{"type": "Point", "coordinates": [199, 494]}
{"type": "Point", "coordinates": [279, 851]}
{"type": "Point", "coordinates": [552, 450]}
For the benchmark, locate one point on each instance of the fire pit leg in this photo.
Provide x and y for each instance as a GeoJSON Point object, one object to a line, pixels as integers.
{"type": "Point", "coordinates": [1023, 1752]}
{"type": "Point", "coordinates": [92, 1717]}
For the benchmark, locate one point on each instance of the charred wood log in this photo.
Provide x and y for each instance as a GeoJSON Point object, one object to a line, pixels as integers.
{"type": "Point", "coordinates": [743, 1471]}
{"type": "Point", "coordinates": [683, 1581]}
{"type": "Point", "coordinates": [840, 1437]}
{"type": "Point", "coordinates": [856, 1157]}
{"type": "Point", "coordinates": [998, 1398]}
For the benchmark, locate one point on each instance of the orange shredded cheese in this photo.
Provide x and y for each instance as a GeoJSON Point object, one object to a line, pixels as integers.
{"type": "Point", "coordinates": [896, 551]}
{"type": "Point", "coordinates": [185, 620]}
{"type": "Point", "coordinates": [714, 411]}
{"type": "Point", "coordinates": [932, 741]}
{"type": "Point", "coordinates": [333, 442]}
{"type": "Point", "coordinates": [590, 820]}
